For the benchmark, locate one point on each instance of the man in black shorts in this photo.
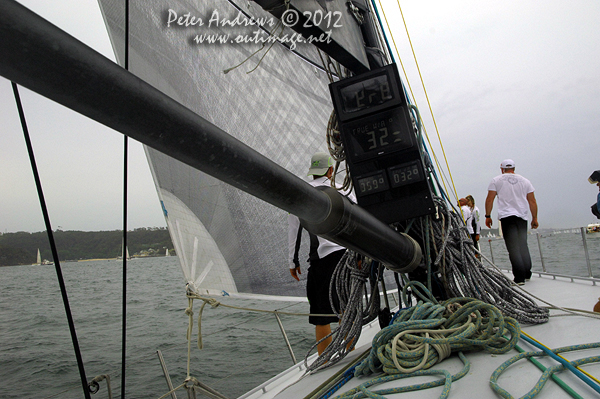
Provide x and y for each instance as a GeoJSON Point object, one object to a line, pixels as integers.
{"type": "Point", "coordinates": [324, 257]}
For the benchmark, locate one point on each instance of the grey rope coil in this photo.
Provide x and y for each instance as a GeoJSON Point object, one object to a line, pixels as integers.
{"type": "Point", "coordinates": [349, 281]}
{"type": "Point", "coordinates": [337, 152]}
{"type": "Point", "coordinates": [464, 275]}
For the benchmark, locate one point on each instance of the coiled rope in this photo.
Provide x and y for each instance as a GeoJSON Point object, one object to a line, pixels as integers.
{"type": "Point", "coordinates": [547, 373]}
{"type": "Point", "coordinates": [458, 324]}
{"type": "Point", "coordinates": [349, 281]}
{"type": "Point", "coordinates": [336, 150]}
{"type": "Point", "coordinates": [423, 335]}
{"type": "Point", "coordinates": [464, 275]}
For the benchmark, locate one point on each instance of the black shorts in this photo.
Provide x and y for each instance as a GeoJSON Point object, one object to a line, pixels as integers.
{"type": "Point", "coordinates": [317, 288]}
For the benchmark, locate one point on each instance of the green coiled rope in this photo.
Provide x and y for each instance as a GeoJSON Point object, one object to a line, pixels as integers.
{"type": "Point", "coordinates": [362, 390]}
{"type": "Point", "coordinates": [457, 324]}
{"type": "Point", "coordinates": [425, 334]}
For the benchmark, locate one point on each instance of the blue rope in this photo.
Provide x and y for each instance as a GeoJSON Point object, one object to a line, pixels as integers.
{"type": "Point", "coordinates": [347, 376]}
{"type": "Point", "coordinates": [548, 372]}
{"type": "Point", "coordinates": [566, 363]}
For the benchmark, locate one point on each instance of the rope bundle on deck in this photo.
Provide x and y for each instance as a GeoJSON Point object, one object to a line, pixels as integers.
{"type": "Point", "coordinates": [462, 272]}
{"type": "Point", "coordinates": [349, 282]}
{"type": "Point", "coordinates": [425, 334]}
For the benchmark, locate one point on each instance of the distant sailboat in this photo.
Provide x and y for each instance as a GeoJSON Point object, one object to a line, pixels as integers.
{"type": "Point", "coordinates": [124, 253]}
{"type": "Point", "coordinates": [39, 260]}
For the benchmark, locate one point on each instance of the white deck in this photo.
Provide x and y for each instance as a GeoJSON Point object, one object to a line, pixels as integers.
{"type": "Point", "coordinates": [518, 379]}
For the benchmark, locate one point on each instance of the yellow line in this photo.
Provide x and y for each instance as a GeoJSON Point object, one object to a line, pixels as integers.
{"type": "Point", "coordinates": [558, 354]}
{"type": "Point", "coordinates": [414, 99]}
{"type": "Point", "coordinates": [426, 96]}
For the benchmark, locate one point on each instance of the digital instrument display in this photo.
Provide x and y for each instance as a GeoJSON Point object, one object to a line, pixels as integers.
{"type": "Point", "coordinates": [378, 134]}
{"type": "Point", "coordinates": [377, 126]}
{"type": "Point", "coordinates": [371, 92]}
{"type": "Point", "coordinates": [371, 184]}
{"type": "Point", "coordinates": [366, 93]}
{"type": "Point", "coordinates": [405, 174]}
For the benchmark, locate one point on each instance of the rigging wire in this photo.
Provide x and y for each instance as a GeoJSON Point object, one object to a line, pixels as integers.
{"type": "Point", "coordinates": [569, 311]}
{"type": "Point", "coordinates": [426, 95]}
{"type": "Point", "coordinates": [415, 101]}
{"type": "Point", "coordinates": [380, 26]}
{"type": "Point", "coordinates": [287, 46]}
{"type": "Point", "coordinates": [124, 249]}
{"type": "Point", "coordinates": [61, 282]}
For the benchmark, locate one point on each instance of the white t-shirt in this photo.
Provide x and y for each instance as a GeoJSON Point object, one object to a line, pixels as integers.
{"type": "Point", "coordinates": [473, 223]}
{"type": "Point", "coordinates": [466, 213]}
{"type": "Point", "coordinates": [512, 190]}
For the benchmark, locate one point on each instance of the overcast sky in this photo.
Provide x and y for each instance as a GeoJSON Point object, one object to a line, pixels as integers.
{"type": "Point", "coordinates": [511, 79]}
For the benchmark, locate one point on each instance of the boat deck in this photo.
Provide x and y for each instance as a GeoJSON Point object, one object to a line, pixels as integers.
{"type": "Point", "coordinates": [562, 330]}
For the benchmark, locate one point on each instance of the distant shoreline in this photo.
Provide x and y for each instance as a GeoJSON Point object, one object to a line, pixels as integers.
{"type": "Point", "coordinates": [90, 260]}
{"type": "Point", "coordinates": [22, 248]}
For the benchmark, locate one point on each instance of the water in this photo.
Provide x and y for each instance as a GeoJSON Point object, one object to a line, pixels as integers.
{"type": "Point", "coordinates": [241, 349]}
{"type": "Point", "coordinates": [563, 253]}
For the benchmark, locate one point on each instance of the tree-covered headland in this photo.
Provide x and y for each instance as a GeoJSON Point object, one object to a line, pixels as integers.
{"type": "Point", "coordinates": [21, 248]}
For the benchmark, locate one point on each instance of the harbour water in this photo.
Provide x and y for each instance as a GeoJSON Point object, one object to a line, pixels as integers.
{"type": "Point", "coordinates": [562, 253]}
{"type": "Point", "coordinates": [242, 349]}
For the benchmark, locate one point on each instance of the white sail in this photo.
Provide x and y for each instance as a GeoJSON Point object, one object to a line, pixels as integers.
{"type": "Point", "coordinates": [226, 239]}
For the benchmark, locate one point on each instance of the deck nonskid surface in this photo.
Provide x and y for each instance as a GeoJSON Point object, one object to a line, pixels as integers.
{"type": "Point", "coordinates": [562, 330]}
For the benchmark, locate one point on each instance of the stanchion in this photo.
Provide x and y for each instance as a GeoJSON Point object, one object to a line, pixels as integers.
{"type": "Point", "coordinates": [541, 255]}
{"type": "Point", "coordinates": [587, 255]}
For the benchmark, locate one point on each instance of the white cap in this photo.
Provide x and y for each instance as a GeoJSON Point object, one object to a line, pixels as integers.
{"type": "Point", "coordinates": [507, 164]}
{"type": "Point", "coordinates": [319, 164]}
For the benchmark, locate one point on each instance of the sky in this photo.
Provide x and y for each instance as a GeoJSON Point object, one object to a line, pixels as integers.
{"type": "Point", "coordinates": [79, 160]}
{"type": "Point", "coordinates": [511, 79]}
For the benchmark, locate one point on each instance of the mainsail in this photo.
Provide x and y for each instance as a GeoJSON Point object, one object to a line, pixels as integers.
{"type": "Point", "coordinates": [226, 239]}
